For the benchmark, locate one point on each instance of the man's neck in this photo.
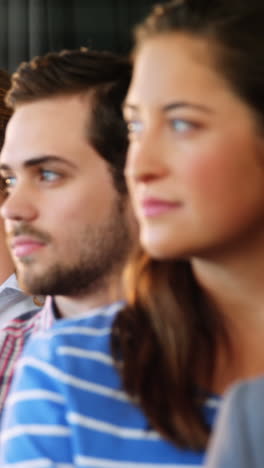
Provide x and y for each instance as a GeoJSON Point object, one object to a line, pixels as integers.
{"type": "Point", "coordinates": [68, 306]}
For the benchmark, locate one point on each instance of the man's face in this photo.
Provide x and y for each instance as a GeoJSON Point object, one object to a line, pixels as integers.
{"type": "Point", "coordinates": [67, 226]}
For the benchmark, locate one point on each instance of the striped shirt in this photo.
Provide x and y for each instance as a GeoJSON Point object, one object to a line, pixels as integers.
{"type": "Point", "coordinates": [68, 408]}
{"type": "Point", "coordinates": [13, 338]}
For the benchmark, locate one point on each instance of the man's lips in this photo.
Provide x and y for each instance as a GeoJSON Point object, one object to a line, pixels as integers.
{"type": "Point", "coordinates": [22, 246]}
{"type": "Point", "coordinates": [154, 207]}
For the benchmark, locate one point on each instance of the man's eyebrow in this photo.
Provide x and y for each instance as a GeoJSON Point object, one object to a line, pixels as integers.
{"type": "Point", "coordinates": [127, 106]}
{"type": "Point", "coordinates": [185, 104]}
{"type": "Point", "coordinates": [172, 106]}
{"type": "Point", "coordinates": [35, 161]}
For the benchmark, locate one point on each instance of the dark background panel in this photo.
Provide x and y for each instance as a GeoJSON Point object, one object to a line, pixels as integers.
{"type": "Point", "coordinates": [34, 27]}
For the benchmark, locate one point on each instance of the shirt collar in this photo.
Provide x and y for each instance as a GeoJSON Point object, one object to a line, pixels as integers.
{"type": "Point", "coordinates": [47, 315]}
{"type": "Point", "coordinates": [11, 283]}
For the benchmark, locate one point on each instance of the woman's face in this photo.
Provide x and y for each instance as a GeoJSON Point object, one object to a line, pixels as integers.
{"type": "Point", "coordinates": [195, 165]}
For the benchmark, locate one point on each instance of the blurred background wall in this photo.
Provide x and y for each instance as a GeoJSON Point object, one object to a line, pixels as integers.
{"type": "Point", "coordinates": [34, 27]}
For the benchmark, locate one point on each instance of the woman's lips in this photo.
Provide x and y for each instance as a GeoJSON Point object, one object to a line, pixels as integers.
{"type": "Point", "coordinates": [154, 207]}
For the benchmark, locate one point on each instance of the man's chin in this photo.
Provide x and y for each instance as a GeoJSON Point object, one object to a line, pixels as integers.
{"type": "Point", "coordinates": [44, 283]}
{"type": "Point", "coordinates": [22, 261]}
{"type": "Point", "coordinates": [32, 284]}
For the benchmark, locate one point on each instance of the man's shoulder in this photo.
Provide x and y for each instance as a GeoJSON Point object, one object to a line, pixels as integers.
{"type": "Point", "coordinates": [91, 331]}
{"type": "Point", "coordinates": [100, 318]}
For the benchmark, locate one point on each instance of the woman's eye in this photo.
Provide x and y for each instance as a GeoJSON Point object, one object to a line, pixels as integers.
{"type": "Point", "coordinates": [49, 176]}
{"type": "Point", "coordinates": [181, 126]}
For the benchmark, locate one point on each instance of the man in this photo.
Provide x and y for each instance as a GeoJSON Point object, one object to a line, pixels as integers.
{"type": "Point", "coordinates": [67, 216]}
{"type": "Point", "coordinates": [237, 441]}
{"type": "Point", "coordinates": [13, 302]}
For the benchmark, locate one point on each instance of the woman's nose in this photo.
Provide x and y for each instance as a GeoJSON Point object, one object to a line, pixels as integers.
{"type": "Point", "coordinates": [145, 161]}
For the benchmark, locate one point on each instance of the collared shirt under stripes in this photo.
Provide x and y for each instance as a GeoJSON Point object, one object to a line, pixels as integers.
{"type": "Point", "coordinates": [13, 338]}
{"type": "Point", "coordinates": [67, 407]}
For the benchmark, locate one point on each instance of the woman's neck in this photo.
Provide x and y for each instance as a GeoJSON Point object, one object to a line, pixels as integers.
{"type": "Point", "coordinates": [233, 281]}
{"type": "Point", "coordinates": [233, 286]}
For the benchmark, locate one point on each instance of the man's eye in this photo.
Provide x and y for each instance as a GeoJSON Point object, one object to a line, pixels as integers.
{"type": "Point", "coordinates": [49, 176]}
{"type": "Point", "coordinates": [134, 127]}
{"type": "Point", "coordinates": [181, 126]}
{"type": "Point", "coordinates": [9, 181]}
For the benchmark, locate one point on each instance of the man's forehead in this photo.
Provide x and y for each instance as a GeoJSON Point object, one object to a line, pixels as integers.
{"type": "Point", "coordinates": [62, 110]}
{"type": "Point", "coordinates": [54, 126]}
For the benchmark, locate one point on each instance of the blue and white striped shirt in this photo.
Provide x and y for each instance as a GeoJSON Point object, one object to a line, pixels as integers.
{"type": "Point", "coordinates": [67, 407]}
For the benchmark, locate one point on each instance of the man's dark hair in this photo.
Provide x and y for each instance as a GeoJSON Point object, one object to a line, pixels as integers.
{"type": "Point", "coordinates": [5, 114]}
{"type": "Point", "coordinates": [104, 74]}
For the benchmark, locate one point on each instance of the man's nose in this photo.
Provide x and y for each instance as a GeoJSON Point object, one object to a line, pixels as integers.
{"type": "Point", "coordinates": [19, 205]}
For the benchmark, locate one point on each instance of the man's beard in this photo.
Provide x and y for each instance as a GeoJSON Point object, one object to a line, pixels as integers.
{"type": "Point", "coordinates": [93, 258]}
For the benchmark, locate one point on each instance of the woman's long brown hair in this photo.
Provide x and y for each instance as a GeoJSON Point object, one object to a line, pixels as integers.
{"type": "Point", "coordinates": [167, 335]}
{"type": "Point", "coordinates": [166, 340]}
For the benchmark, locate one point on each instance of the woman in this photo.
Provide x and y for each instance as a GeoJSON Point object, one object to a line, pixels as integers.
{"type": "Point", "coordinates": [195, 171]}
{"type": "Point", "coordinates": [193, 321]}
